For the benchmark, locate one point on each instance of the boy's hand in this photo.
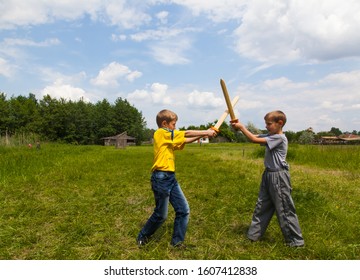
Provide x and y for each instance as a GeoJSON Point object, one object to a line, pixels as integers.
{"type": "Point", "coordinates": [237, 125]}
{"type": "Point", "coordinates": [211, 133]}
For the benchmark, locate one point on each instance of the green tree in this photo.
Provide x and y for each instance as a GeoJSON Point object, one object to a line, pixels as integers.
{"type": "Point", "coordinates": [104, 115]}
{"type": "Point", "coordinates": [83, 120]}
{"type": "Point", "coordinates": [4, 114]}
{"type": "Point", "coordinates": [128, 118]}
{"type": "Point", "coordinates": [291, 136]}
{"type": "Point", "coordinates": [22, 114]}
{"type": "Point", "coordinates": [53, 118]}
{"type": "Point", "coordinates": [335, 131]}
{"type": "Point", "coordinates": [306, 137]}
{"type": "Point", "coordinates": [253, 129]}
{"type": "Point", "coordinates": [241, 138]}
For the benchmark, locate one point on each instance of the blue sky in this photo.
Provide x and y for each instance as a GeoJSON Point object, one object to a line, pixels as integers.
{"type": "Point", "coordinates": [301, 57]}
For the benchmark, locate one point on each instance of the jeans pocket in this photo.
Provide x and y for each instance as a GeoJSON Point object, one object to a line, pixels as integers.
{"type": "Point", "coordinates": [161, 182]}
{"type": "Point", "coordinates": [160, 175]}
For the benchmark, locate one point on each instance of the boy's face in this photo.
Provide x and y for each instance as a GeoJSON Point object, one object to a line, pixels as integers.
{"type": "Point", "coordinates": [273, 127]}
{"type": "Point", "coordinates": [170, 125]}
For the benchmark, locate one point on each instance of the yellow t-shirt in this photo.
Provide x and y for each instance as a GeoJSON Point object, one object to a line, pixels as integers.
{"type": "Point", "coordinates": [165, 142]}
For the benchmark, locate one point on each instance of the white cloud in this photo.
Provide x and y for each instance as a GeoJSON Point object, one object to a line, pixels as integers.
{"type": "Point", "coordinates": [218, 11]}
{"type": "Point", "coordinates": [64, 86]}
{"type": "Point", "coordinates": [193, 108]}
{"type": "Point", "coordinates": [19, 13]}
{"type": "Point", "coordinates": [171, 52]}
{"type": "Point", "coordinates": [162, 17]}
{"type": "Point", "coordinates": [167, 45]}
{"type": "Point", "coordinates": [162, 34]}
{"type": "Point", "coordinates": [273, 31]}
{"type": "Point", "coordinates": [30, 43]}
{"type": "Point", "coordinates": [283, 84]}
{"type": "Point", "coordinates": [331, 102]}
{"type": "Point", "coordinates": [204, 100]}
{"type": "Point", "coordinates": [50, 75]}
{"type": "Point", "coordinates": [14, 54]}
{"type": "Point", "coordinates": [329, 105]}
{"type": "Point", "coordinates": [126, 14]}
{"type": "Point", "coordinates": [157, 94]}
{"type": "Point", "coordinates": [342, 79]}
{"type": "Point", "coordinates": [139, 94]}
{"type": "Point", "coordinates": [32, 12]}
{"type": "Point", "coordinates": [117, 38]}
{"type": "Point", "coordinates": [59, 90]}
{"type": "Point", "coordinates": [268, 31]}
{"type": "Point", "coordinates": [110, 75]}
{"type": "Point", "coordinates": [6, 69]}
{"type": "Point", "coordinates": [306, 104]}
{"type": "Point", "coordinates": [133, 75]}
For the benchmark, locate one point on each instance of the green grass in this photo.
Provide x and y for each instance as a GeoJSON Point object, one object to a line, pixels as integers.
{"type": "Point", "coordinates": [89, 202]}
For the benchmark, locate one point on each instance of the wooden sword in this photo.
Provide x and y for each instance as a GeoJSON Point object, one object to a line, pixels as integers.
{"type": "Point", "coordinates": [228, 103]}
{"type": "Point", "coordinates": [220, 121]}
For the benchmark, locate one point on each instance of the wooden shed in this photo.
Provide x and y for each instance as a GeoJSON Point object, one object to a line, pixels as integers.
{"type": "Point", "coordinates": [119, 141]}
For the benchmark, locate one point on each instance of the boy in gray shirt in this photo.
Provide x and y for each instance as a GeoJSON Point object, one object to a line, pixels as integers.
{"type": "Point", "coordinates": [275, 188]}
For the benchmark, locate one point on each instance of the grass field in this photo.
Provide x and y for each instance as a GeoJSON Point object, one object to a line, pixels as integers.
{"type": "Point", "coordinates": [89, 202]}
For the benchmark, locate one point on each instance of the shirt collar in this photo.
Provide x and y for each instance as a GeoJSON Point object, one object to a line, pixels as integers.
{"type": "Point", "coordinates": [171, 131]}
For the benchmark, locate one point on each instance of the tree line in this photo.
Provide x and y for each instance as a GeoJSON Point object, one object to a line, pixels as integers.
{"type": "Point", "coordinates": [27, 119]}
{"type": "Point", "coordinates": [59, 120]}
{"type": "Point", "coordinates": [306, 136]}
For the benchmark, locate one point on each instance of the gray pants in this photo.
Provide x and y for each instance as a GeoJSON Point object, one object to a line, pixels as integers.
{"type": "Point", "coordinates": [275, 196]}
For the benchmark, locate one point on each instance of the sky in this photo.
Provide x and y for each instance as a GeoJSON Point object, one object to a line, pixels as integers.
{"type": "Point", "coordinates": [301, 57]}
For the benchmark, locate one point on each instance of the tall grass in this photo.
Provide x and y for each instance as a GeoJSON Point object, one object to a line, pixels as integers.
{"type": "Point", "coordinates": [341, 157]}
{"type": "Point", "coordinates": [89, 202]}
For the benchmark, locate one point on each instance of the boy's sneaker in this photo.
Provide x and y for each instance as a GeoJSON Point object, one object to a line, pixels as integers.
{"type": "Point", "coordinates": [183, 246]}
{"type": "Point", "coordinates": [180, 245]}
{"type": "Point", "coordinates": [295, 244]}
{"type": "Point", "coordinates": [141, 241]}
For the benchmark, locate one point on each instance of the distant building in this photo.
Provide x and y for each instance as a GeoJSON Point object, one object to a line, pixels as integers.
{"type": "Point", "coordinates": [202, 141]}
{"type": "Point", "coordinates": [119, 141]}
{"type": "Point", "coordinates": [341, 139]}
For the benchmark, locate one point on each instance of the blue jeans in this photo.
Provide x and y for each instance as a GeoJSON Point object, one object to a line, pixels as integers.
{"type": "Point", "coordinates": [166, 189]}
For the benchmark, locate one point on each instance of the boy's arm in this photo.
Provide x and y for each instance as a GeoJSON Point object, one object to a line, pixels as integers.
{"type": "Point", "coordinates": [200, 133]}
{"type": "Point", "coordinates": [252, 137]}
{"type": "Point", "coordinates": [191, 139]}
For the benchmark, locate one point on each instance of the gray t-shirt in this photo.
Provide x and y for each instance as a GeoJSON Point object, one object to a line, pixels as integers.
{"type": "Point", "coordinates": [276, 150]}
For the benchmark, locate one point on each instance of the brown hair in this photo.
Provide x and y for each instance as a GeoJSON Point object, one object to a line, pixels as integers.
{"type": "Point", "coordinates": [165, 115]}
{"type": "Point", "coordinates": [276, 116]}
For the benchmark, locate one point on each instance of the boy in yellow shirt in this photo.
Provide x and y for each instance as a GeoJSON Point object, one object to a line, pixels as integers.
{"type": "Point", "coordinates": [163, 182]}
